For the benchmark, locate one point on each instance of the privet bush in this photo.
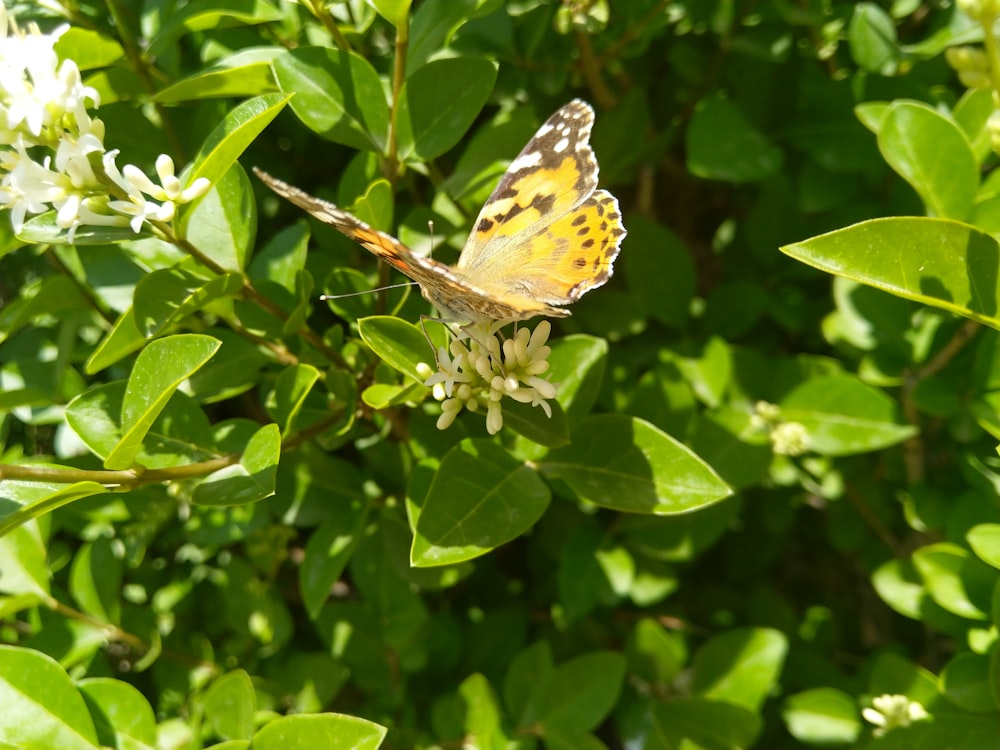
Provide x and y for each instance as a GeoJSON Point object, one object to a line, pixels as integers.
{"type": "Point", "coordinates": [746, 496]}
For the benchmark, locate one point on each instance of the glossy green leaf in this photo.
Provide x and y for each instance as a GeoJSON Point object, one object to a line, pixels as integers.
{"type": "Point", "coordinates": [966, 682]}
{"type": "Point", "coordinates": [394, 11]}
{"type": "Point", "coordinates": [985, 542]}
{"type": "Point", "coordinates": [932, 154]}
{"type": "Point", "coordinates": [873, 40]}
{"type": "Point", "coordinates": [121, 713]}
{"type": "Point", "coordinates": [159, 370]}
{"type": "Point", "coordinates": [230, 703]}
{"type": "Point", "coordinates": [899, 586]}
{"type": "Point", "coordinates": [526, 682]}
{"type": "Point", "coordinates": [328, 731]}
{"type": "Point", "coordinates": [480, 498]}
{"type": "Point", "coordinates": [438, 104]}
{"type": "Point", "coordinates": [722, 144]}
{"type": "Point", "coordinates": [955, 580]}
{"type": "Point", "coordinates": [955, 732]}
{"type": "Point", "coordinates": [223, 224]}
{"type": "Point", "coordinates": [95, 579]}
{"type": "Point", "coordinates": [248, 481]}
{"type": "Point", "coordinates": [629, 465]}
{"type": "Point", "coordinates": [337, 94]}
{"type": "Point", "coordinates": [230, 138]}
{"type": "Point", "coordinates": [577, 364]}
{"type": "Point", "coordinates": [655, 654]}
{"type": "Point", "coordinates": [934, 261]}
{"type": "Point", "coordinates": [35, 499]}
{"type": "Point", "coordinates": [740, 666]}
{"type": "Point", "coordinates": [327, 552]}
{"type": "Point", "coordinates": [710, 724]}
{"type": "Point", "coordinates": [581, 692]}
{"type": "Point", "coordinates": [164, 298]}
{"type": "Point", "coordinates": [22, 558]}
{"type": "Point", "coordinates": [531, 422]}
{"type": "Point", "coordinates": [87, 48]}
{"type": "Point", "coordinates": [41, 706]}
{"type": "Point", "coordinates": [290, 391]}
{"type": "Point", "coordinates": [123, 339]}
{"type": "Point", "coordinates": [245, 73]}
{"type": "Point", "coordinates": [894, 675]}
{"type": "Point", "coordinates": [843, 416]}
{"type": "Point", "coordinates": [822, 716]}
{"type": "Point", "coordinates": [212, 14]}
{"type": "Point", "coordinates": [52, 296]}
{"type": "Point", "coordinates": [398, 343]}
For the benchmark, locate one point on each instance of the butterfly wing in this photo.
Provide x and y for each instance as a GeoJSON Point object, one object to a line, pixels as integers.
{"type": "Point", "coordinates": [447, 289]}
{"type": "Point", "coordinates": [554, 173]}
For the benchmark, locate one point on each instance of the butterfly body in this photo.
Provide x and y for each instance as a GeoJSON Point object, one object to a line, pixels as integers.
{"type": "Point", "coordinates": [544, 237]}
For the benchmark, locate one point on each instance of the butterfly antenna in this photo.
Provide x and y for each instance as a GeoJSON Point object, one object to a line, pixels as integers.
{"type": "Point", "coordinates": [430, 228]}
{"type": "Point", "coordinates": [325, 297]}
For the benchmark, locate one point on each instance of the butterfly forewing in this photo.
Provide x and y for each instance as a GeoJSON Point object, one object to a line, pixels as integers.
{"type": "Point", "coordinates": [555, 172]}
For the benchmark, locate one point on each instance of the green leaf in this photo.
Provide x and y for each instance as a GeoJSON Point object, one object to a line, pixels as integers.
{"type": "Point", "coordinates": [164, 298]}
{"type": "Point", "coordinates": [337, 94]}
{"type": "Point", "coordinates": [531, 422]}
{"type": "Point", "coordinates": [954, 732]}
{"type": "Point", "coordinates": [211, 14]}
{"type": "Point", "coordinates": [328, 731]}
{"type": "Point", "coordinates": [985, 542]}
{"type": "Point", "coordinates": [245, 73]}
{"type": "Point", "coordinates": [122, 714]}
{"type": "Point", "coordinates": [899, 586]}
{"type": "Point", "coordinates": [397, 342]}
{"type": "Point", "coordinates": [87, 48]}
{"type": "Point", "coordinates": [230, 703]}
{"type": "Point", "coordinates": [581, 692]}
{"type": "Point", "coordinates": [740, 666]}
{"type": "Point", "coordinates": [873, 40]}
{"type": "Point", "coordinates": [123, 339]}
{"type": "Point", "coordinates": [844, 416]}
{"type": "Point", "coordinates": [822, 716]}
{"type": "Point", "coordinates": [577, 364]}
{"type": "Point", "coordinates": [290, 391]}
{"type": "Point", "coordinates": [723, 145]}
{"type": "Point", "coordinates": [395, 12]}
{"type": "Point", "coordinates": [967, 683]}
{"type": "Point", "coordinates": [526, 682]}
{"type": "Point", "coordinates": [701, 723]}
{"type": "Point", "coordinates": [38, 498]}
{"type": "Point", "coordinates": [629, 465]}
{"type": "Point", "coordinates": [480, 498]}
{"type": "Point", "coordinates": [248, 481]}
{"type": "Point", "coordinates": [439, 103]}
{"type": "Point", "coordinates": [960, 583]}
{"type": "Point", "coordinates": [159, 370]}
{"type": "Point", "coordinates": [41, 706]}
{"type": "Point", "coordinates": [327, 552]}
{"type": "Point", "coordinates": [932, 154]}
{"type": "Point", "coordinates": [95, 579]}
{"type": "Point", "coordinates": [655, 654]}
{"type": "Point", "coordinates": [223, 224]}
{"type": "Point", "coordinates": [230, 138]}
{"type": "Point", "coordinates": [22, 558]}
{"type": "Point", "coordinates": [934, 261]}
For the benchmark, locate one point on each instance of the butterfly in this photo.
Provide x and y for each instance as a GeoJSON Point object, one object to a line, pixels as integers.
{"type": "Point", "coordinates": [544, 238]}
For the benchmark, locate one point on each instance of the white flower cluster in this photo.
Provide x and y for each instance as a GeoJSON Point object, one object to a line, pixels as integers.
{"type": "Point", "coordinates": [50, 146]}
{"type": "Point", "coordinates": [891, 711]}
{"type": "Point", "coordinates": [480, 368]}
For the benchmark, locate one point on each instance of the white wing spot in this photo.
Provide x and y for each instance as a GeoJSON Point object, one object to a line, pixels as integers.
{"type": "Point", "coordinates": [525, 161]}
{"type": "Point", "coordinates": [546, 128]}
{"type": "Point", "coordinates": [561, 146]}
